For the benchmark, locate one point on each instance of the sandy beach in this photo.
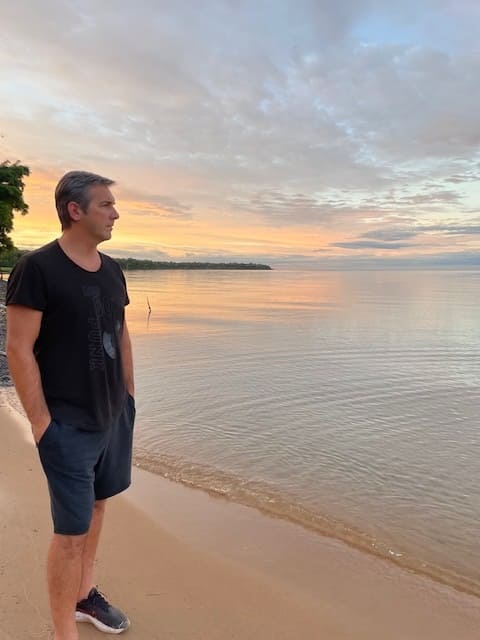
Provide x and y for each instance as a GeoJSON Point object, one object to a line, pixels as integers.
{"type": "Point", "coordinates": [189, 566]}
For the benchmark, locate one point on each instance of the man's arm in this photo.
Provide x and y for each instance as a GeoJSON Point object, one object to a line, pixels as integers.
{"type": "Point", "coordinates": [23, 326]}
{"type": "Point", "coordinates": [127, 360]}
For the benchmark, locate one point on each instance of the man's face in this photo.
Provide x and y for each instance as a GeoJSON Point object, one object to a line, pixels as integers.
{"type": "Point", "coordinates": [100, 214]}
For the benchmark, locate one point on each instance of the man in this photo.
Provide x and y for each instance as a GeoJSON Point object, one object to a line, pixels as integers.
{"type": "Point", "coordinates": [70, 358]}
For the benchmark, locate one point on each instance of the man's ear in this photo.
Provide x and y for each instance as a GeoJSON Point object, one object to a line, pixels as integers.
{"type": "Point", "coordinates": [74, 211]}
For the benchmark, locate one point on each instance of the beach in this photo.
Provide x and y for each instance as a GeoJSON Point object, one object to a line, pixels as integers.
{"type": "Point", "coordinates": [186, 565]}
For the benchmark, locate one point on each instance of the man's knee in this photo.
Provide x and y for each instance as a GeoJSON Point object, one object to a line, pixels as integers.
{"type": "Point", "coordinates": [71, 546]}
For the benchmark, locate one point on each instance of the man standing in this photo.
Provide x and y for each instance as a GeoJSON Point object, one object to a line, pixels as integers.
{"type": "Point", "coordinates": [70, 358]}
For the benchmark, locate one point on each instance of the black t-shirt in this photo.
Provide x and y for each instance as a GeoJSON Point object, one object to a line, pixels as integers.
{"type": "Point", "coordinates": [78, 349]}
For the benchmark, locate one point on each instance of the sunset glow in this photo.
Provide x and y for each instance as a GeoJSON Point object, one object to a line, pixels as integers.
{"type": "Point", "coordinates": [297, 134]}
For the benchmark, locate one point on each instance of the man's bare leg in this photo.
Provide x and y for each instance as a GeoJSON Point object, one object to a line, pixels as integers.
{"type": "Point", "coordinates": [98, 610]}
{"type": "Point", "coordinates": [90, 549]}
{"type": "Point", "coordinates": [64, 573]}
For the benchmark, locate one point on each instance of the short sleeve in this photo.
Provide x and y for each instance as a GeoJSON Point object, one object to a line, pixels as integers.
{"type": "Point", "coordinates": [26, 285]}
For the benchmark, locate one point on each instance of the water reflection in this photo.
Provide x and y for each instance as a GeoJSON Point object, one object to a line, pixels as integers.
{"type": "Point", "coordinates": [190, 301]}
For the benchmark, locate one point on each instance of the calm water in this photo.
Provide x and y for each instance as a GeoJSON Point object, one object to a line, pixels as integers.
{"type": "Point", "coordinates": [347, 402]}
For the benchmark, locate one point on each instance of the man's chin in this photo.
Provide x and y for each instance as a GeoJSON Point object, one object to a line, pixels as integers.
{"type": "Point", "coordinates": [106, 236]}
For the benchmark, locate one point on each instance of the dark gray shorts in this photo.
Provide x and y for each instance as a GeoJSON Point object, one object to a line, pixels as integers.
{"type": "Point", "coordinates": [84, 466]}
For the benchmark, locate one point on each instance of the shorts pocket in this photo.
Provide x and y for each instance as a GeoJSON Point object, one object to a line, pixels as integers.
{"type": "Point", "coordinates": [46, 434]}
{"type": "Point", "coordinates": [131, 407]}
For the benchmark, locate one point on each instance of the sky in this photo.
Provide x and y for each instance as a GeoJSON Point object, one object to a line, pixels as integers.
{"type": "Point", "coordinates": [297, 133]}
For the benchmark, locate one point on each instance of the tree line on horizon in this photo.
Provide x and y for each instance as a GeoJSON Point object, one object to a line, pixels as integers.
{"type": "Point", "coordinates": [9, 257]}
{"type": "Point", "coordinates": [132, 264]}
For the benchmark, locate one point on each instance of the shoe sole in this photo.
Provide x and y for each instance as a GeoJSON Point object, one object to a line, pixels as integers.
{"type": "Point", "coordinates": [84, 617]}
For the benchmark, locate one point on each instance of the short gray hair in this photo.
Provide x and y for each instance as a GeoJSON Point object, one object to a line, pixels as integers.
{"type": "Point", "coordinates": [75, 187]}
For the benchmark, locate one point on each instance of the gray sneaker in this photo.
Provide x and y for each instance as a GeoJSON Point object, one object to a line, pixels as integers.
{"type": "Point", "coordinates": [96, 609]}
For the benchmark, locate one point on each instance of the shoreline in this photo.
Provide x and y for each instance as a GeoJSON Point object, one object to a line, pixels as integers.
{"type": "Point", "coordinates": [188, 566]}
{"type": "Point", "coordinates": [269, 502]}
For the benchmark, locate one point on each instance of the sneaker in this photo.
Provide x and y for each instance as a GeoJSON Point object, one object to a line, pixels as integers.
{"type": "Point", "coordinates": [96, 609]}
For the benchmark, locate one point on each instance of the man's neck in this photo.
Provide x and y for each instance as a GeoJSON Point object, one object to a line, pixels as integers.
{"type": "Point", "coordinates": [83, 252]}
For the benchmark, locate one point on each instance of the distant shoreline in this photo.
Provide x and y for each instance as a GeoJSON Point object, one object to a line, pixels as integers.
{"type": "Point", "coordinates": [131, 264]}
{"type": "Point", "coordinates": [150, 265]}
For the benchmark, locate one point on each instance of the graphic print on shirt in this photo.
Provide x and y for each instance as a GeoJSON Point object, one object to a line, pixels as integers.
{"type": "Point", "coordinates": [100, 340]}
{"type": "Point", "coordinates": [108, 345]}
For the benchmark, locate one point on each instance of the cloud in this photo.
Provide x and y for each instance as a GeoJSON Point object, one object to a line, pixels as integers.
{"type": "Point", "coordinates": [371, 244]}
{"type": "Point", "coordinates": [154, 205]}
{"type": "Point", "coordinates": [454, 229]}
{"type": "Point", "coordinates": [203, 90]}
{"type": "Point", "coordinates": [429, 198]}
{"type": "Point", "coordinates": [293, 209]}
{"type": "Point", "coordinates": [441, 260]}
{"type": "Point", "coordinates": [390, 235]}
{"type": "Point", "coordinates": [468, 176]}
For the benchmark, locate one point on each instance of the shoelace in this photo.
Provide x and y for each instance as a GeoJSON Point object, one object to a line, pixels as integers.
{"type": "Point", "coordinates": [98, 599]}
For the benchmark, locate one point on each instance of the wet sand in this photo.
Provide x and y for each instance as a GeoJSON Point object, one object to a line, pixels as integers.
{"type": "Point", "coordinates": [186, 565]}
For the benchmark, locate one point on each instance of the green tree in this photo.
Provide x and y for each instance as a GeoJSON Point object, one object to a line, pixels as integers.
{"type": "Point", "coordinates": [11, 199]}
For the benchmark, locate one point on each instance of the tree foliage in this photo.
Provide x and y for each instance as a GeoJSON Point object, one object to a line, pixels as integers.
{"type": "Point", "coordinates": [134, 263]}
{"type": "Point", "coordinates": [10, 257]}
{"type": "Point", "coordinates": [11, 199]}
